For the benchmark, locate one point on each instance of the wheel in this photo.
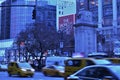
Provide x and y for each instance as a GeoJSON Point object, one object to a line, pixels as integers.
{"type": "Point", "coordinates": [31, 75]}
{"type": "Point", "coordinates": [19, 74]}
{"type": "Point", "coordinates": [57, 74]}
{"type": "Point", "coordinates": [9, 74]}
{"type": "Point", "coordinates": [45, 73]}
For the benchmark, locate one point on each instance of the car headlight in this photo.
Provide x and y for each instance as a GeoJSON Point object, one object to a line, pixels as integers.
{"type": "Point", "coordinates": [33, 70]}
{"type": "Point", "coordinates": [23, 69]}
{"type": "Point", "coordinates": [61, 71]}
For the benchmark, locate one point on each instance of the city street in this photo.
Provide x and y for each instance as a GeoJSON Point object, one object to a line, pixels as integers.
{"type": "Point", "coordinates": [37, 76]}
{"type": "Point", "coordinates": [46, 38]}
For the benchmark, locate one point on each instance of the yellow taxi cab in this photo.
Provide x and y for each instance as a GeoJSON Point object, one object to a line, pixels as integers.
{"type": "Point", "coordinates": [20, 68]}
{"type": "Point", "coordinates": [53, 70]}
{"type": "Point", "coordinates": [114, 60]}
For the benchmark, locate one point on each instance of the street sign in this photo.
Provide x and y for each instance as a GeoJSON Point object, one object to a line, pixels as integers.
{"type": "Point", "coordinates": [61, 44]}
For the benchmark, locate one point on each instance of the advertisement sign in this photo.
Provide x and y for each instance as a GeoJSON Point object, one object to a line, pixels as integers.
{"type": "Point", "coordinates": [66, 23]}
{"type": "Point", "coordinates": [65, 8]}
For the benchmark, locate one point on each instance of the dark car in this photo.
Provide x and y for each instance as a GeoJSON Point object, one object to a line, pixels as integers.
{"type": "Point", "coordinates": [97, 72]}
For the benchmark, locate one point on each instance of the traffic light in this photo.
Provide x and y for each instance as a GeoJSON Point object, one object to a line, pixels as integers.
{"type": "Point", "coordinates": [34, 14]}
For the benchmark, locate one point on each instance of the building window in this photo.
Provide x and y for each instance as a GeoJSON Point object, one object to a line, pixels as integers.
{"type": "Point", "coordinates": [14, 0]}
{"type": "Point", "coordinates": [108, 10]}
{"type": "Point", "coordinates": [119, 20]}
{"type": "Point", "coordinates": [49, 15]}
{"type": "Point", "coordinates": [93, 3]}
{"type": "Point", "coordinates": [82, 4]}
{"type": "Point", "coordinates": [107, 2]}
{"type": "Point", "coordinates": [108, 21]}
{"type": "Point", "coordinates": [118, 9]}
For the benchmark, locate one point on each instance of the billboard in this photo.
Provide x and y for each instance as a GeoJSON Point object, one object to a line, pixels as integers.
{"type": "Point", "coordinates": [65, 8]}
{"type": "Point", "coordinates": [66, 23]}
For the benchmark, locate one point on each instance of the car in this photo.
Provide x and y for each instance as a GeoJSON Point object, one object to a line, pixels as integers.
{"type": "Point", "coordinates": [97, 72]}
{"type": "Point", "coordinates": [3, 67]}
{"type": "Point", "coordinates": [98, 55]}
{"type": "Point", "coordinates": [20, 68]}
{"type": "Point", "coordinates": [74, 64]}
{"type": "Point", "coordinates": [53, 70]}
{"type": "Point", "coordinates": [114, 60]}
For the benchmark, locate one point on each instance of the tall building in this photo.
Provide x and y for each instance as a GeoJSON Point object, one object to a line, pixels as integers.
{"type": "Point", "coordinates": [5, 20]}
{"type": "Point", "coordinates": [20, 16]}
{"type": "Point", "coordinates": [46, 14]}
{"type": "Point", "coordinates": [0, 22]}
{"type": "Point", "coordinates": [107, 10]}
{"type": "Point", "coordinates": [106, 13]}
{"type": "Point", "coordinates": [15, 18]}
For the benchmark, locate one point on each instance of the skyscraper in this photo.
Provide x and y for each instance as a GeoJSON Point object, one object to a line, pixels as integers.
{"type": "Point", "coordinates": [15, 18]}
{"type": "Point", "coordinates": [5, 20]}
{"type": "Point", "coordinates": [20, 16]}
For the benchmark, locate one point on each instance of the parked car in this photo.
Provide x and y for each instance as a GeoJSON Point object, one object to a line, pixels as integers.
{"type": "Point", "coordinates": [97, 72]}
{"type": "Point", "coordinates": [53, 70]}
{"type": "Point", "coordinates": [3, 67]}
{"type": "Point", "coordinates": [20, 68]}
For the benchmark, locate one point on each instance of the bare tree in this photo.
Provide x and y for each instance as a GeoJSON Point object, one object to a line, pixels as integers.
{"type": "Point", "coordinates": [38, 38]}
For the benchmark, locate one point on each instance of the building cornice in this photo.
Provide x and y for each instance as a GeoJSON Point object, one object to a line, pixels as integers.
{"type": "Point", "coordinates": [86, 24]}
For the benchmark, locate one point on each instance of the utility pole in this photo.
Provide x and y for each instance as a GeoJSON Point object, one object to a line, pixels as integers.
{"type": "Point", "coordinates": [36, 8]}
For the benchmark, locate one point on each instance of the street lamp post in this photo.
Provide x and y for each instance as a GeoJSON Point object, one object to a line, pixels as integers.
{"type": "Point", "coordinates": [15, 47]}
{"type": "Point", "coordinates": [61, 41]}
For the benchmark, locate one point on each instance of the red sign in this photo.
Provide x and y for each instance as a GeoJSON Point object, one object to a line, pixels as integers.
{"type": "Point", "coordinates": [66, 22]}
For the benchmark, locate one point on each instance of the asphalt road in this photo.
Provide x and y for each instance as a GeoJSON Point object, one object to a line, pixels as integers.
{"type": "Point", "coordinates": [37, 76]}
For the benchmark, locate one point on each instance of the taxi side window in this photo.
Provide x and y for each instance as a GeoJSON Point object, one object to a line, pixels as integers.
{"type": "Point", "coordinates": [16, 65]}
{"type": "Point", "coordinates": [89, 62]}
{"type": "Point", "coordinates": [101, 72]}
{"type": "Point", "coordinates": [73, 63]}
{"type": "Point", "coordinates": [11, 64]}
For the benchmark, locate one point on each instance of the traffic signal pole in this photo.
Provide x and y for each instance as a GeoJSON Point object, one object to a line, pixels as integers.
{"type": "Point", "coordinates": [36, 8]}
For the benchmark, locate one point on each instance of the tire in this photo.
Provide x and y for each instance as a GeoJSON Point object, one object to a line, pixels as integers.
{"type": "Point", "coordinates": [9, 74]}
{"type": "Point", "coordinates": [65, 78]}
{"type": "Point", "coordinates": [19, 74]}
{"type": "Point", "coordinates": [57, 74]}
{"type": "Point", "coordinates": [45, 74]}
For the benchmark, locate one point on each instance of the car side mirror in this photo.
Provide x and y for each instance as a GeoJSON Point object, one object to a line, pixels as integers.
{"type": "Point", "coordinates": [108, 78]}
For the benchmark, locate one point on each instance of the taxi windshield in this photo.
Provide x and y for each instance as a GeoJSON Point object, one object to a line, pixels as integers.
{"type": "Point", "coordinates": [99, 61]}
{"type": "Point", "coordinates": [24, 65]}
